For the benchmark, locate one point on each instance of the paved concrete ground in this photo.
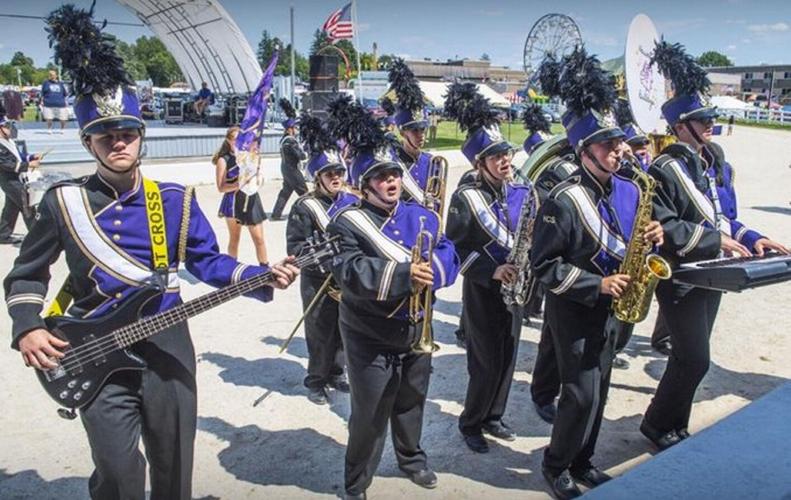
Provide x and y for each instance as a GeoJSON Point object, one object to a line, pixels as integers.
{"type": "Point", "coordinates": [259, 436]}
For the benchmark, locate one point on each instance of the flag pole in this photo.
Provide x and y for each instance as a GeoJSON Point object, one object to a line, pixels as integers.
{"type": "Point", "coordinates": [355, 33]}
{"type": "Point", "coordinates": [293, 71]}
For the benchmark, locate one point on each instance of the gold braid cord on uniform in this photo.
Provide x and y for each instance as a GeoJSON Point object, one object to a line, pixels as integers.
{"type": "Point", "coordinates": [189, 191]}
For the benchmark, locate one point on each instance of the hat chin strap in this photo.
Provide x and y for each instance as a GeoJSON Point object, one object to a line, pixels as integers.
{"type": "Point", "coordinates": [368, 189]}
{"type": "Point", "coordinates": [595, 160]}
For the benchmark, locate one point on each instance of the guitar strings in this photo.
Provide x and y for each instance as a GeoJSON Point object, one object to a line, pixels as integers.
{"type": "Point", "coordinates": [93, 351]}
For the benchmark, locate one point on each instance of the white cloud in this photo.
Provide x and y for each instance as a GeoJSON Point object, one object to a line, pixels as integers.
{"type": "Point", "coordinates": [730, 48]}
{"type": "Point", "coordinates": [747, 40]}
{"type": "Point", "coordinates": [764, 28]}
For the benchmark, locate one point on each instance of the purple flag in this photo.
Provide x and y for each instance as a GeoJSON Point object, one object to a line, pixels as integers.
{"type": "Point", "coordinates": [253, 123]}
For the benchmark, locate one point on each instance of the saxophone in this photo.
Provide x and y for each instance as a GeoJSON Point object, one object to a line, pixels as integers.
{"type": "Point", "coordinates": [518, 291]}
{"type": "Point", "coordinates": [644, 267]}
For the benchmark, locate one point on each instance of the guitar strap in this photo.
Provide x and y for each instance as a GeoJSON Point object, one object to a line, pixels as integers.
{"type": "Point", "coordinates": [159, 252]}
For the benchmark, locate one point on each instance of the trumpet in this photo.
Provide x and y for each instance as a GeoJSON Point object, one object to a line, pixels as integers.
{"type": "Point", "coordinates": [436, 183]}
{"type": "Point", "coordinates": [420, 302]}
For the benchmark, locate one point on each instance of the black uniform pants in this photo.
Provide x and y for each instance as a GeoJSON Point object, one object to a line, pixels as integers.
{"type": "Point", "coordinates": [546, 376]}
{"type": "Point", "coordinates": [661, 330]}
{"type": "Point", "coordinates": [158, 404]}
{"type": "Point", "coordinates": [385, 387]}
{"type": "Point", "coordinates": [584, 353]}
{"type": "Point", "coordinates": [293, 180]}
{"type": "Point", "coordinates": [322, 333]}
{"type": "Point", "coordinates": [690, 319]}
{"type": "Point", "coordinates": [492, 343]}
{"type": "Point", "coordinates": [15, 203]}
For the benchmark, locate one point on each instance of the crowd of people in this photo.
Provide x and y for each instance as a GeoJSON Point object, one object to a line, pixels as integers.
{"type": "Point", "coordinates": [375, 193]}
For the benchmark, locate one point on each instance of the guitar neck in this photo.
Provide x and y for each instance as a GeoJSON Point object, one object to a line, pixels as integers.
{"type": "Point", "coordinates": [150, 325]}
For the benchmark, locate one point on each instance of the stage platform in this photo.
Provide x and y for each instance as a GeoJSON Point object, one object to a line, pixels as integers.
{"type": "Point", "coordinates": [162, 141]}
{"type": "Point", "coordinates": [746, 455]}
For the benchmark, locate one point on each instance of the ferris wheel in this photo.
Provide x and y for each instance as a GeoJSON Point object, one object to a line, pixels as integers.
{"type": "Point", "coordinates": [555, 34]}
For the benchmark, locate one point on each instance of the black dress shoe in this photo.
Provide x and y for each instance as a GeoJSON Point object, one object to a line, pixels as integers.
{"type": "Point", "coordinates": [500, 431]}
{"type": "Point", "coordinates": [620, 363]}
{"type": "Point", "coordinates": [424, 478]}
{"type": "Point", "coordinates": [591, 477]}
{"type": "Point", "coordinates": [664, 346]}
{"type": "Point", "coordinates": [682, 434]}
{"type": "Point", "coordinates": [354, 496]}
{"type": "Point", "coordinates": [547, 412]}
{"type": "Point", "coordinates": [662, 440]}
{"type": "Point", "coordinates": [477, 443]}
{"type": "Point", "coordinates": [318, 396]}
{"type": "Point", "coordinates": [11, 240]}
{"type": "Point", "coordinates": [339, 383]}
{"type": "Point", "coordinates": [461, 338]}
{"type": "Point", "coordinates": [562, 485]}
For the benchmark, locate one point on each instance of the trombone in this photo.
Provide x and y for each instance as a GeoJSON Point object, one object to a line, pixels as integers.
{"type": "Point", "coordinates": [436, 183]}
{"type": "Point", "coordinates": [420, 302]}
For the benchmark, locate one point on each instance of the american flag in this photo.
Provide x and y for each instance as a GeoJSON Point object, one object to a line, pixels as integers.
{"type": "Point", "coordinates": [339, 25]}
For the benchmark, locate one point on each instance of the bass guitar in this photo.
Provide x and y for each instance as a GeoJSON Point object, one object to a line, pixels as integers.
{"type": "Point", "coordinates": [98, 347]}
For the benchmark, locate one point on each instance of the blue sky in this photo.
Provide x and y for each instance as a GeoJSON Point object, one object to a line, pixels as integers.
{"type": "Point", "coordinates": [749, 32]}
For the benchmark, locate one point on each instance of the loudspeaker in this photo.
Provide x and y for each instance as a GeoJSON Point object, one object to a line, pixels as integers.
{"type": "Point", "coordinates": [323, 73]}
{"type": "Point", "coordinates": [316, 103]}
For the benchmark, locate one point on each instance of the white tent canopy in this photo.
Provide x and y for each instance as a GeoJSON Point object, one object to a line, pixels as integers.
{"type": "Point", "coordinates": [728, 102]}
{"type": "Point", "coordinates": [207, 44]}
{"type": "Point", "coordinates": [435, 94]}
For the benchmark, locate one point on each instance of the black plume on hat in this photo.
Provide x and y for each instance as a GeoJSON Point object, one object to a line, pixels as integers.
{"type": "Point", "coordinates": [315, 134]}
{"type": "Point", "coordinates": [84, 52]}
{"type": "Point", "coordinates": [406, 87]}
{"type": "Point", "coordinates": [623, 113]}
{"type": "Point", "coordinates": [549, 75]}
{"type": "Point", "coordinates": [387, 105]}
{"type": "Point", "coordinates": [535, 120]}
{"type": "Point", "coordinates": [338, 120]}
{"type": "Point", "coordinates": [469, 108]}
{"type": "Point", "coordinates": [361, 130]}
{"type": "Point", "coordinates": [683, 70]}
{"type": "Point", "coordinates": [584, 85]}
{"type": "Point", "coordinates": [287, 107]}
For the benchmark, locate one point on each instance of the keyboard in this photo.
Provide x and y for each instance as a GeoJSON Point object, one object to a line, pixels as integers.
{"type": "Point", "coordinates": [734, 274]}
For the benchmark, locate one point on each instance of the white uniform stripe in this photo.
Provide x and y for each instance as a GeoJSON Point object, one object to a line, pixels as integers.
{"type": "Point", "coordinates": [24, 298]}
{"type": "Point", "coordinates": [411, 186]}
{"type": "Point", "coordinates": [107, 257]}
{"type": "Point", "coordinates": [440, 268]}
{"type": "Point", "coordinates": [487, 218]}
{"type": "Point", "coordinates": [391, 249]}
{"type": "Point", "coordinates": [693, 241]}
{"type": "Point", "coordinates": [387, 278]}
{"type": "Point", "coordinates": [319, 214]}
{"type": "Point", "coordinates": [593, 222]}
{"type": "Point", "coordinates": [468, 261]}
{"type": "Point", "coordinates": [569, 280]}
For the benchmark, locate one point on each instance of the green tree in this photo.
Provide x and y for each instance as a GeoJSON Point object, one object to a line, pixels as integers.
{"type": "Point", "coordinates": [320, 40]}
{"type": "Point", "coordinates": [20, 59]}
{"type": "Point", "coordinates": [159, 64]}
{"type": "Point", "coordinates": [714, 58]}
{"type": "Point", "coordinates": [266, 48]}
{"type": "Point", "coordinates": [485, 57]}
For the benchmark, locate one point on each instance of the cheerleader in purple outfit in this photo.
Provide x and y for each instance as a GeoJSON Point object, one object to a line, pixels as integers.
{"type": "Point", "coordinates": [237, 208]}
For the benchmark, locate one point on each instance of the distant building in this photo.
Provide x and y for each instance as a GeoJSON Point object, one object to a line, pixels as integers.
{"type": "Point", "coordinates": [500, 78]}
{"type": "Point", "coordinates": [757, 82]}
{"type": "Point", "coordinates": [729, 84]}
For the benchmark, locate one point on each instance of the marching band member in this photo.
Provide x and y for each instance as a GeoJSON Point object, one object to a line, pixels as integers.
{"type": "Point", "coordinates": [635, 141]}
{"type": "Point", "coordinates": [376, 275]}
{"type": "Point", "coordinates": [695, 183]}
{"type": "Point", "coordinates": [410, 118]}
{"type": "Point", "coordinates": [237, 207]}
{"type": "Point", "coordinates": [578, 266]}
{"type": "Point", "coordinates": [103, 225]}
{"type": "Point", "coordinates": [291, 157]}
{"type": "Point", "coordinates": [310, 215]}
{"type": "Point", "coordinates": [14, 160]}
{"type": "Point", "coordinates": [537, 127]}
{"type": "Point", "coordinates": [481, 220]}
{"type": "Point", "coordinates": [545, 386]}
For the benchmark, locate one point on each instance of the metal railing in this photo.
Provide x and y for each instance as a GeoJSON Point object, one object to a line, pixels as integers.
{"type": "Point", "coordinates": [759, 115]}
